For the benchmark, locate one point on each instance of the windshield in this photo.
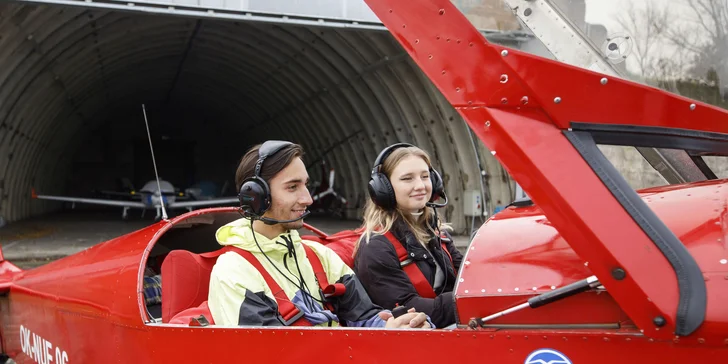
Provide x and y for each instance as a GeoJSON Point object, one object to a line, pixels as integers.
{"type": "Point", "coordinates": [641, 170]}
{"type": "Point", "coordinates": [676, 45]}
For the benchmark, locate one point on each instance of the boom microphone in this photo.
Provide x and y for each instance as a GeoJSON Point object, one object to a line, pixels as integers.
{"type": "Point", "coordinates": [433, 205]}
{"type": "Point", "coordinates": [269, 221]}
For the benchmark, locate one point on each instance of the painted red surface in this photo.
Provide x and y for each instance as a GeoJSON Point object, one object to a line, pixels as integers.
{"type": "Point", "coordinates": [88, 307]}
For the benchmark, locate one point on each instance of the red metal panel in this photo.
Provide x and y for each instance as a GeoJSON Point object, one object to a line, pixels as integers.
{"type": "Point", "coordinates": [101, 280]}
{"type": "Point", "coordinates": [585, 98]}
{"type": "Point", "coordinates": [518, 254]}
{"type": "Point", "coordinates": [86, 340]}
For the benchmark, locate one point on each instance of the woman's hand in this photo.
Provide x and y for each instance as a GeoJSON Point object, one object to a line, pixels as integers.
{"type": "Point", "coordinates": [410, 320]}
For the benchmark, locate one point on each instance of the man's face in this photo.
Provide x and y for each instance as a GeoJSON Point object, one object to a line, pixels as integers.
{"type": "Point", "coordinates": [289, 195]}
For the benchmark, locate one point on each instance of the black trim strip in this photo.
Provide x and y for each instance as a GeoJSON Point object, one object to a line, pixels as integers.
{"type": "Point", "coordinates": [693, 297]}
{"type": "Point", "coordinates": [700, 162]}
{"type": "Point", "coordinates": [521, 202]}
{"type": "Point", "coordinates": [655, 130]}
{"type": "Point", "coordinates": [661, 141]}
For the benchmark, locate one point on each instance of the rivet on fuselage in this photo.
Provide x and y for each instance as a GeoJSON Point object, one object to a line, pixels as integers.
{"type": "Point", "coordinates": [603, 81]}
{"type": "Point", "coordinates": [482, 290]}
{"type": "Point", "coordinates": [723, 261]}
{"type": "Point", "coordinates": [504, 52]}
{"type": "Point", "coordinates": [466, 291]}
{"type": "Point", "coordinates": [492, 152]}
{"type": "Point", "coordinates": [692, 106]}
{"type": "Point", "coordinates": [557, 100]}
{"type": "Point", "coordinates": [618, 274]}
{"type": "Point", "coordinates": [487, 123]}
{"type": "Point", "coordinates": [524, 100]}
{"type": "Point", "coordinates": [500, 290]}
{"type": "Point", "coordinates": [503, 78]}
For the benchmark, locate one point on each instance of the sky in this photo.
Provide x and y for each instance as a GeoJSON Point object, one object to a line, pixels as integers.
{"type": "Point", "coordinates": [605, 11]}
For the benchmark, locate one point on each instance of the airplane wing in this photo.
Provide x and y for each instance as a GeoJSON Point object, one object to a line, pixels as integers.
{"type": "Point", "coordinates": [96, 201]}
{"type": "Point", "coordinates": [134, 195]}
{"type": "Point", "coordinates": [211, 202]}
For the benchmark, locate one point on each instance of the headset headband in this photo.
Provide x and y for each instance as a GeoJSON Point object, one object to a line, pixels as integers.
{"type": "Point", "coordinates": [268, 148]}
{"type": "Point", "coordinates": [385, 153]}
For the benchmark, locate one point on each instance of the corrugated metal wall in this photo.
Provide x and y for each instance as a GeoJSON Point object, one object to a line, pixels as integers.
{"type": "Point", "coordinates": [344, 94]}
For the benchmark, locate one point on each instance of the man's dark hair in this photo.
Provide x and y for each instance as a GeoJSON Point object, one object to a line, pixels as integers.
{"type": "Point", "coordinates": [271, 166]}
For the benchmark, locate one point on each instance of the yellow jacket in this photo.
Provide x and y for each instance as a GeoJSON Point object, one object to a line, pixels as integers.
{"type": "Point", "coordinates": [239, 295]}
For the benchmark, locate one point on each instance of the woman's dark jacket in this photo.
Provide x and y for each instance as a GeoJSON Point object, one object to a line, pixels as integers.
{"type": "Point", "coordinates": [377, 267]}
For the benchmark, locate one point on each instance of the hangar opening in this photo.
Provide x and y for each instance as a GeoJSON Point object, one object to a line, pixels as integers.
{"type": "Point", "coordinates": [74, 80]}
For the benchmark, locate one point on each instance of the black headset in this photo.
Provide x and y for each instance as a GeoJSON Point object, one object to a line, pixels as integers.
{"type": "Point", "coordinates": [254, 193]}
{"type": "Point", "coordinates": [381, 190]}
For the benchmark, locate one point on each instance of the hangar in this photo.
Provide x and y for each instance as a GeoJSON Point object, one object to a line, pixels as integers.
{"type": "Point", "coordinates": [214, 83]}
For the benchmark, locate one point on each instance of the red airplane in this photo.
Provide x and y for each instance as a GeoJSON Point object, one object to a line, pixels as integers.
{"type": "Point", "coordinates": [589, 272]}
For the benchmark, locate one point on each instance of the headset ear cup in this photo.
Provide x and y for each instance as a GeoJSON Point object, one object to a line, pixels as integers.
{"type": "Point", "coordinates": [390, 196]}
{"type": "Point", "coordinates": [254, 196]}
{"type": "Point", "coordinates": [438, 186]}
{"type": "Point", "coordinates": [381, 191]}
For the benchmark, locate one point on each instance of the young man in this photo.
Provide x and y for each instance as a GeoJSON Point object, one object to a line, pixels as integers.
{"type": "Point", "coordinates": [272, 182]}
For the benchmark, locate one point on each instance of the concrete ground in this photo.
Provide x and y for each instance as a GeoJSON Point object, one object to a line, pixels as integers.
{"type": "Point", "coordinates": [37, 241]}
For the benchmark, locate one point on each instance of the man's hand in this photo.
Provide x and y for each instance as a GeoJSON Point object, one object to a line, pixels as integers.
{"type": "Point", "coordinates": [410, 320]}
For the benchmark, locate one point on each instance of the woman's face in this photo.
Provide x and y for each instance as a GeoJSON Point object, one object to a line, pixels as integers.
{"type": "Point", "coordinates": [411, 182]}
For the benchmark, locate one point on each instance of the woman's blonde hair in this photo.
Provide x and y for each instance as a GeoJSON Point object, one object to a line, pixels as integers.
{"type": "Point", "coordinates": [379, 220]}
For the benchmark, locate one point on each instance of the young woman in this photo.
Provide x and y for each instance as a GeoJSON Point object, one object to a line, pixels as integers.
{"type": "Point", "coordinates": [405, 256]}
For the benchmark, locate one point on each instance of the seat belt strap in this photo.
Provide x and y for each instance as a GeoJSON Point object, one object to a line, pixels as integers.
{"type": "Point", "coordinates": [422, 286]}
{"type": "Point", "coordinates": [292, 316]}
{"type": "Point", "coordinates": [327, 290]}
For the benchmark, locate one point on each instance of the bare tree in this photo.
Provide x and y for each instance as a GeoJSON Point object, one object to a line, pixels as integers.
{"type": "Point", "coordinates": [646, 27]}
{"type": "Point", "coordinates": [705, 36]}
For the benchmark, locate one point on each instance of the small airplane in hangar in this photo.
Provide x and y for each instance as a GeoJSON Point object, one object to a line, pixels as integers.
{"type": "Point", "coordinates": [156, 194]}
{"type": "Point", "coordinates": [591, 271]}
{"type": "Point", "coordinates": [149, 198]}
